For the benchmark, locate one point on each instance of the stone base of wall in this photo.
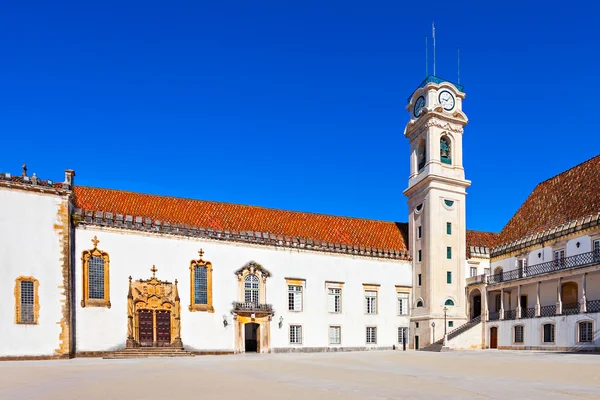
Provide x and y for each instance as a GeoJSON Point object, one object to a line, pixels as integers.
{"type": "Point", "coordinates": [326, 349]}
{"type": "Point", "coordinates": [29, 358]}
{"type": "Point", "coordinates": [553, 348]}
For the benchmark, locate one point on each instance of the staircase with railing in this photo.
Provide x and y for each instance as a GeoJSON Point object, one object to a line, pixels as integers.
{"type": "Point", "coordinates": [439, 345]}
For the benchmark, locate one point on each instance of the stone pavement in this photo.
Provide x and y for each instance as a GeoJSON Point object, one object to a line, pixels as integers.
{"type": "Point", "coordinates": [361, 375]}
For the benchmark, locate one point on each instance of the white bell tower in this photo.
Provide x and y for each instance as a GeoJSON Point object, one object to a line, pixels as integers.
{"type": "Point", "coordinates": [436, 201]}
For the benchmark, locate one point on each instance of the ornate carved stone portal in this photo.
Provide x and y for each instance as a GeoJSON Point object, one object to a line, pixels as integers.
{"type": "Point", "coordinates": [153, 313]}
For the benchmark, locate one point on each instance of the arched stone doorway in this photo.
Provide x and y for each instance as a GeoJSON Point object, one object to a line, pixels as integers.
{"type": "Point", "coordinates": [475, 303]}
{"type": "Point", "coordinates": [153, 313]}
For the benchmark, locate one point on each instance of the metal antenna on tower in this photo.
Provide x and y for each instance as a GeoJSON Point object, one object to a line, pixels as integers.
{"type": "Point", "coordinates": [459, 66]}
{"type": "Point", "coordinates": [433, 34]}
{"type": "Point", "coordinates": [426, 62]}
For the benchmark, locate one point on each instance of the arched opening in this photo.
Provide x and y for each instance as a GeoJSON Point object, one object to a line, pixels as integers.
{"type": "Point", "coordinates": [449, 302]}
{"type": "Point", "coordinates": [420, 303]}
{"type": "Point", "coordinates": [569, 298]}
{"type": "Point", "coordinates": [251, 335]}
{"type": "Point", "coordinates": [445, 150]}
{"type": "Point", "coordinates": [475, 303]}
{"type": "Point", "coordinates": [422, 154]}
{"type": "Point", "coordinates": [251, 289]}
{"type": "Point", "coordinates": [498, 275]}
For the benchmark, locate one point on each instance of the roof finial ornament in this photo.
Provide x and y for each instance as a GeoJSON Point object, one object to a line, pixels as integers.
{"type": "Point", "coordinates": [24, 170]}
{"type": "Point", "coordinates": [201, 253]}
{"type": "Point", "coordinates": [95, 241]}
{"type": "Point", "coordinates": [153, 270]}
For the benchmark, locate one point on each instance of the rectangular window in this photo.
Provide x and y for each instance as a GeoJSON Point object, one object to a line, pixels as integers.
{"type": "Point", "coordinates": [200, 285]}
{"type": "Point", "coordinates": [402, 334]}
{"type": "Point", "coordinates": [486, 271]}
{"type": "Point", "coordinates": [419, 232]}
{"type": "Point", "coordinates": [371, 335]}
{"type": "Point", "coordinates": [334, 300]}
{"type": "Point", "coordinates": [416, 324]}
{"type": "Point", "coordinates": [449, 228]}
{"type": "Point", "coordinates": [519, 334]}
{"type": "Point", "coordinates": [450, 324]}
{"type": "Point", "coordinates": [370, 302]}
{"type": "Point", "coordinates": [27, 302]}
{"type": "Point", "coordinates": [586, 333]}
{"type": "Point", "coordinates": [473, 271]}
{"type": "Point", "coordinates": [448, 277]}
{"type": "Point", "coordinates": [295, 334]}
{"type": "Point", "coordinates": [294, 298]}
{"type": "Point", "coordinates": [419, 279]}
{"type": "Point", "coordinates": [335, 335]}
{"type": "Point", "coordinates": [419, 255]}
{"type": "Point", "coordinates": [402, 303]}
{"type": "Point", "coordinates": [549, 333]}
{"type": "Point", "coordinates": [559, 258]}
{"type": "Point", "coordinates": [596, 247]}
{"type": "Point", "coordinates": [96, 278]}
{"type": "Point", "coordinates": [449, 253]}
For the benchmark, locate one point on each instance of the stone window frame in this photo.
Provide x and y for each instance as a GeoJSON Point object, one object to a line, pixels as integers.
{"type": "Point", "coordinates": [583, 321]}
{"type": "Point", "coordinates": [420, 300]}
{"type": "Point", "coordinates": [402, 293]}
{"type": "Point", "coordinates": [301, 283]}
{"type": "Point", "coordinates": [449, 299]}
{"type": "Point", "coordinates": [253, 268]}
{"type": "Point", "coordinates": [553, 332]}
{"type": "Point", "coordinates": [372, 336]}
{"type": "Point", "coordinates": [471, 274]}
{"type": "Point", "coordinates": [201, 263]}
{"type": "Point", "coordinates": [86, 301]}
{"type": "Point", "coordinates": [36, 300]}
{"type": "Point", "coordinates": [522, 334]}
{"type": "Point", "coordinates": [339, 327]}
{"type": "Point", "coordinates": [340, 287]}
{"type": "Point", "coordinates": [301, 339]}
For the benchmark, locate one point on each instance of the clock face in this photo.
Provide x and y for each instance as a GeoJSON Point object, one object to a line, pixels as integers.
{"type": "Point", "coordinates": [446, 100]}
{"type": "Point", "coordinates": [420, 103]}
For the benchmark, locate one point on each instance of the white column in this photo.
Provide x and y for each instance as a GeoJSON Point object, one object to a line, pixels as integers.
{"type": "Point", "coordinates": [518, 308]}
{"type": "Point", "coordinates": [502, 304]}
{"type": "Point", "coordinates": [559, 297]}
{"type": "Point", "coordinates": [583, 306]}
{"type": "Point", "coordinates": [538, 307]}
{"type": "Point", "coordinates": [485, 307]}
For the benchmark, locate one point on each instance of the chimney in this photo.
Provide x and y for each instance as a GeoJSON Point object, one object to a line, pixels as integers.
{"type": "Point", "coordinates": [69, 175]}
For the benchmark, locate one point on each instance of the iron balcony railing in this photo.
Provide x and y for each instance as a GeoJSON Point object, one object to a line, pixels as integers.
{"type": "Point", "coordinates": [570, 309]}
{"type": "Point", "coordinates": [527, 312]}
{"type": "Point", "coordinates": [577, 261]}
{"type": "Point", "coordinates": [494, 316]}
{"type": "Point", "coordinates": [252, 307]}
{"type": "Point", "coordinates": [510, 314]}
{"type": "Point", "coordinates": [548, 311]}
{"type": "Point", "coordinates": [592, 306]}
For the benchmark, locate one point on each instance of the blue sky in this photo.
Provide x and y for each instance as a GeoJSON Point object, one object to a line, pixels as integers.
{"type": "Point", "coordinates": [297, 106]}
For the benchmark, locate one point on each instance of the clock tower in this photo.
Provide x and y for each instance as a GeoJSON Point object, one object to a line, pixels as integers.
{"type": "Point", "coordinates": [436, 202]}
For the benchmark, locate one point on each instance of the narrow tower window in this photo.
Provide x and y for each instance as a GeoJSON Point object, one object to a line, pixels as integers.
{"type": "Point", "coordinates": [445, 155]}
{"type": "Point", "coordinates": [449, 228]}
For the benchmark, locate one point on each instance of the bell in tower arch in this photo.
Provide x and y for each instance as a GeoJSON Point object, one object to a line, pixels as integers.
{"type": "Point", "coordinates": [445, 155]}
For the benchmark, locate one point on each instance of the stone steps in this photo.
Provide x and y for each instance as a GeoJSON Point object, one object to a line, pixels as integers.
{"type": "Point", "coordinates": [149, 352]}
{"type": "Point", "coordinates": [435, 347]}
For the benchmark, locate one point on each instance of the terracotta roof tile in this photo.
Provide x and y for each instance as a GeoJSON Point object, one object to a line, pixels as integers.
{"type": "Point", "coordinates": [238, 218]}
{"type": "Point", "coordinates": [568, 196]}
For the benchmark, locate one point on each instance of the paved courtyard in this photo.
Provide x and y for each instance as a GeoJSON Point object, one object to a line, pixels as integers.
{"type": "Point", "coordinates": [361, 375]}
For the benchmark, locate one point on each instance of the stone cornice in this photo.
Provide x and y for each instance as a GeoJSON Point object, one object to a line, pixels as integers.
{"type": "Point", "coordinates": [144, 224]}
{"type": "Point", "coordinates": [33, 183]}
{"type": "Point", "coordinates": [554, 233]}
{"type": "Point", "coordinates": [435, 118]}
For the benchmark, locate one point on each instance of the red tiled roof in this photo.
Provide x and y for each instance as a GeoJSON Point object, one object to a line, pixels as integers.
{"type": "Point", "coordinates": [480, 239]}
{"type": "Point", "coordinates": [568, 196]}
{"type": "Point", "coordinates": [238, 218]}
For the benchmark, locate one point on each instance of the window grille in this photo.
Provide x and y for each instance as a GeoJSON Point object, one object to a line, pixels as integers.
{"type": "Point", "coordinates": [519, 334]}
{"type": "Point", "coordinates": [295, 334]}
{"type": "Point", "coordinates": [402, 334]}
{"type": "Point", "coordinates": [200, 285]}
{"type": "Point", "coordinates": [251, 290]}
{"type": "Point", "coordinates": [371, 335]}
{"type": "Point", "coordinates": [27, 302]}
{"type": "Point", "coordinates": [96, 278]}
{"type": "Point", "coordinates": [335, 335]}
{"type": "Point", "coordinates": [473, 271]}
{"type": "Point", "coordinates": [549, 333]}
{"type": "Point", "coordinates": [370, 302]}
{"type": "Point", "coordinates": [402, 303]}
{"type": "Point", "coordinates": [334, 301]}
{"type": "Point", "coordinates": [586, 333]}
{"type": "Point", "coordinates": [294, 298]}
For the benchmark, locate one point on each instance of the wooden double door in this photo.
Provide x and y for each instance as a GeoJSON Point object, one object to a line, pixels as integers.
{"type": "Point", "coordinates": [154, 328]}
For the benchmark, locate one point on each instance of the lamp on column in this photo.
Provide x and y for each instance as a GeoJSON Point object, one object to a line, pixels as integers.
{"type": "Point", "coordinates": [225, 323]}
{"type": "Point", "coordinates": [280, 321]}
{"type": "Point", "coordinates": [433, 326]}
{"type": "Point", "coordinates": [445, 323]}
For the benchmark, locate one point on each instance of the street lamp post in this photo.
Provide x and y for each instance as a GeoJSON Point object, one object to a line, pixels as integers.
{"type": "Point", "coordinates": [433, 326]}
{"type": "Point", "coordinates": [445, 323]}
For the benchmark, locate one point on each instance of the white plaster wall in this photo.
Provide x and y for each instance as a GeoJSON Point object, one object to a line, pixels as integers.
{"type": "Point", "coordinates": [468, 340]}
{"type": "Point", "coordinates": [565, 332]}
{"type": "Point", "coordinates": [101, 329]}
{"type": "Point", "coordinates": [30, 247]}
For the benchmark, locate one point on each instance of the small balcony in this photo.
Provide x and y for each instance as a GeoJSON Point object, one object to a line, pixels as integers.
{"type": "Point", "coordinates": [572, 262]}
{"type": "Point", "coordinates": [252, 308]}
{"type": "Point", "coordinates": [476, 280]}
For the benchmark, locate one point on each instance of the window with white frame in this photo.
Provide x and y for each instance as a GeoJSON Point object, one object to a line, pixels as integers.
{"type": "Point", "coordinates": [295, 334]}
{"type": "Point", "coordinates": [371, 335]}
{"type": "Point", "coordinates": [548, 331]}
{"type": "Point", "coordinates": [402, 334]}
{"type": "Point", "coordinates": [586, 332]}
{"type": "Point", "coordinates": [370, 302]}
{"type": "Point", "coordinates": [519, 334]}
{"type": "Point", "coordinates": [251, 289]}
{"type": "Point", "coordinates": [473, 271]}
{"type": "Point", "coordinates": [294, 298]}
{"type": "Point", "coordinates": [486, 271]}
{"type": "Point", "coordinates": [522, 266]}
{"type": "Point", "coordinates": [335, 335]}
{"type": "Point", "coordinates": [402, 303]}
{"type": "Point", "coordinates": [334, 300]}
{"type": "Point", "coordinates": [559, 257]}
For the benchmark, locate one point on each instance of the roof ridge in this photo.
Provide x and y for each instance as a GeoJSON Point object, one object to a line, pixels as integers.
{"type": "Point", "coordinates": [241, 205]}
{"type": "Point", "coordinates": [565, 171]}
